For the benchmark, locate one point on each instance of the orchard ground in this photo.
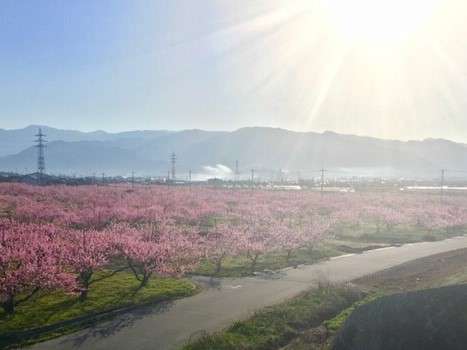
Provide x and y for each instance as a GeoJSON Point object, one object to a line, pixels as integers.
{"type": "Point", "coordinates": [65, 248]}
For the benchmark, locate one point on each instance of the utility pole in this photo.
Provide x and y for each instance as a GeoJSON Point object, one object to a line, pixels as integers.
{"type": "Point", "coordinates": [132, 179]}
{"type": "Point", "coordinates": [237, 171]}
{"type": "Point", "coordinates": [443, 173]}
{"type": "Point", "coordinates": [322, 179]}
{"type": "Point", "coordinates": [103, 178]}
{"type": "Point", "coordinates": [189, 176]}
{"type": "Point", "coordinates": [173, 160]}
{"type": "Point", "coordinates": [41, 141]}
{"type": "Point", "coordinates": [252, 175]}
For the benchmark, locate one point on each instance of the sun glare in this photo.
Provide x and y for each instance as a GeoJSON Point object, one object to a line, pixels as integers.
{"type": "Point", "coordinates": [380, 21]}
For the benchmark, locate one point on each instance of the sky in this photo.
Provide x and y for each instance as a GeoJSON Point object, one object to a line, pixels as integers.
{"type": "Point", "coordinates": [390, 69]}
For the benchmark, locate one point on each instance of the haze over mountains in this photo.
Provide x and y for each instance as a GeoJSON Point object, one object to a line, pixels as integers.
{"type": "Point", "coordinates": [213, 153]}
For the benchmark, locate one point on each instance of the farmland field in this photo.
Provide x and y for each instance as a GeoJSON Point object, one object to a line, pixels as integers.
{"type": "Point", "coordinates": [65, 249]}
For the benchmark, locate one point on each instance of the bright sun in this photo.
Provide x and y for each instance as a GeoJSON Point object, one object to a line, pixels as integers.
{"type": "Point", "coordinates": [381, 21]}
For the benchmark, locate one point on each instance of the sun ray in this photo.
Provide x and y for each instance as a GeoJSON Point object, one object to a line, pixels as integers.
{"type": "Point", "coordinates": [380, 21]}
{"type": "Point", "coordinates": [330, 75]}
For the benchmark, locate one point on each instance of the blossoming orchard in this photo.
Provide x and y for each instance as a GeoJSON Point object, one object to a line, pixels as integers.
{"type": "Point", "coordinates": [61, 238]}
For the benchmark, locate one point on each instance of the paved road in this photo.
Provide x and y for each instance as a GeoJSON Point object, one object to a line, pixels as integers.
{"type": "Point", "coordinates": [169, 325]}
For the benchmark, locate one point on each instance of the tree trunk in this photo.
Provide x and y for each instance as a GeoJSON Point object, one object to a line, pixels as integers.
{"type": "Point", "coordinates": [218, 265]}
{"type": "Point", "coordinates": [83, 295]}
{"type": "Point", "coordinates": [144, 280]}
{"type": "Point", "coordinates": [84, 281]}
{"type": "Point", "coordinates": [253, 262]}
{"type": "Point", "coordinates": [9, 305]}
{"type": "Point", "coordinates": [289, 255]}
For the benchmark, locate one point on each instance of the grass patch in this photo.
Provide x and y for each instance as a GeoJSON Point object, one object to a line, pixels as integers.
{"type": "Point", "coordinates": [239, 266]}
{"type": "Point", "coordinates": [400, 234]}
{"type": "Point", "coordinates": [336, 323]}
{"type": "Point", "coordinates": [115, 292]}
{"type": "Point", "coordinates": [456, 278]}
{"type": "Point", "coordinates": [276, 326]}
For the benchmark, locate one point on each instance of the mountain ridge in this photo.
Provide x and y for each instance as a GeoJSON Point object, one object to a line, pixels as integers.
{"type": "Point", "coordinates": [264, 149]}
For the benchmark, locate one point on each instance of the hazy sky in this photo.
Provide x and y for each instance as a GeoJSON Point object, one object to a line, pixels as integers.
{"type": "Point", "coordinates": [380, 68]}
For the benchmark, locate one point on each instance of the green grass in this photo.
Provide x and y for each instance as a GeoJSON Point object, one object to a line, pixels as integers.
{"type": "Point", "coordinates": [456, 278]}
{"type": "Point", "coordinates": [400, 234]}
{"type": "Point", "coordinates": [276, 326]}
{"type": "Point", "coordinates": [115, 292]}
{"type": "Point", "coordinates": [239, 266]}
{"type": "Point", "coordinates": [335, 323]}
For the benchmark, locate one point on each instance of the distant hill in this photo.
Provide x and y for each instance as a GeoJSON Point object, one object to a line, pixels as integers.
{"type": "Point", "coordinates": [81, 157]}
{"type": "Point", "coordinates": [264, 149]}
{"type": "Point", "coordinates": [17, 140]}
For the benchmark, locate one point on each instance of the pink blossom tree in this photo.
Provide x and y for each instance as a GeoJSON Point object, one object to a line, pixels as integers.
{"type": "Point", "coordinates": [167, 254]}
{"type": "Point", "coordinates": [257, 239]}
{"type": "Point", "coordinates": [87, 252]}
{"type": "Point", "coordinates": [31, 260]}
{"type": "Point", "coordinates": [221, 242]}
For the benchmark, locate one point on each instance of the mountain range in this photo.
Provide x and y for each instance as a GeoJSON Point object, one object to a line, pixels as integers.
{"type": "Point", "coordinates": [271, 152]}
